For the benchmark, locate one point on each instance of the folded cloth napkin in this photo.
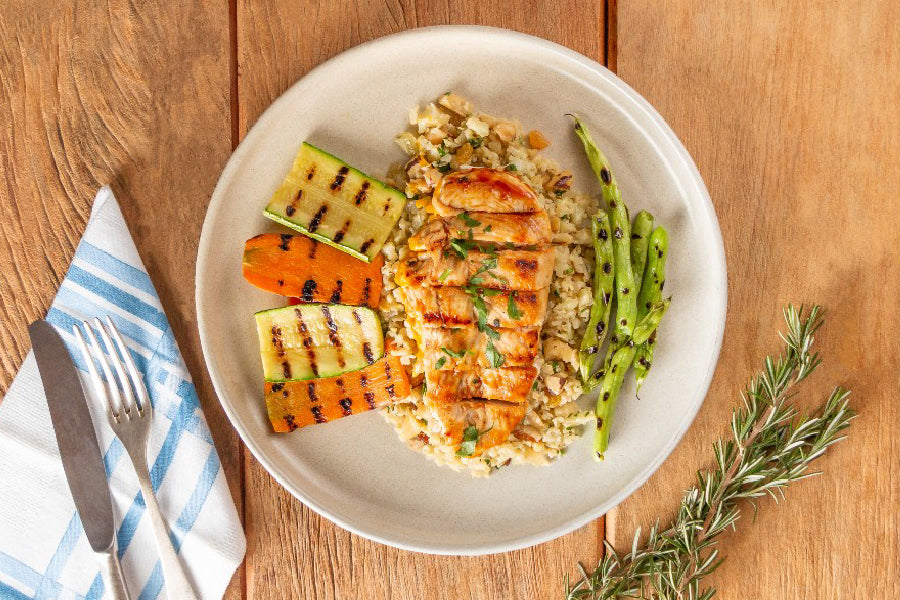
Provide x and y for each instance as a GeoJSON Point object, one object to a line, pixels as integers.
{"type": "Point", "coordinates": [44, 553]}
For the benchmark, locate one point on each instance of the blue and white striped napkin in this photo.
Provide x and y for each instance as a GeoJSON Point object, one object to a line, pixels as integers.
{"type": "Point", "coordinates": [44, 554]}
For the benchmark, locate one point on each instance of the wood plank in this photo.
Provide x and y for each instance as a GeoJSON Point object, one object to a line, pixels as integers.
{"type": "Point", "coordinates": [110, 93]}
{"type": "Point", "coordinates": [293, 553]}
{"type": "Point", "coordinates": [790, 111]}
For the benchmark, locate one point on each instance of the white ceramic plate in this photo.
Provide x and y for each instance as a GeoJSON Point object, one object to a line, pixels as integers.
{"type": "Point", "coordinates": [356, 471]}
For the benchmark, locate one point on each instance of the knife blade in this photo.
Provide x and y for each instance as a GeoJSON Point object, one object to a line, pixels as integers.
{"type": "Point", "coordinates": [78, 447]}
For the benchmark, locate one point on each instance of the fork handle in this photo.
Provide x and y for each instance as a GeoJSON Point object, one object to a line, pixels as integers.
{"type": "Point", "coordinates": [177, 585]}
{"type": "Point", "coordinates": [111, 571]}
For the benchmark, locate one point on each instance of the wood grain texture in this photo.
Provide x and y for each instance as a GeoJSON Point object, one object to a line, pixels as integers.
{"type": "Point", "coordinates": [132, 95]}
{"type": "Point", "coordinates": [293, 553]}
{"type": "Point", "coordinates": [790, 111]}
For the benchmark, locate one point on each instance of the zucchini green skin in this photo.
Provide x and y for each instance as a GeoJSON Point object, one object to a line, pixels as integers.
{"type": "Point", "coordinates": [325, 198]}
{"type": "Point", "coordinates": [325, 240]}
{"type": "Point", "coordinates": [310, 341]}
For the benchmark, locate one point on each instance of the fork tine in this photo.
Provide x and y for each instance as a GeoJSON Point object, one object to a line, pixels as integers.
{"type": "Point", "coordinates": [96, 381]}
{"type": "Point", "coordinates": [129, 402]}
{"type": "Point", "coordinates": [137, 381]}
{"type": "Point", "coordinates": [116, 403]}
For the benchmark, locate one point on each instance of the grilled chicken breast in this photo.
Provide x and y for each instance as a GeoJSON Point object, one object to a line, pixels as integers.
{"type": "Point", "coordinates": [512, 269]}
{"type": "Point", "coordinates": [475, 287]}
{"type": "Point", "coordinates": [484, 190]}
{"type": "Point", "coordinates": [452, 306]}
{"type": "Point", "coordinates": [464, 348]}
{"type": "Point", "coordinates": [527, 229]}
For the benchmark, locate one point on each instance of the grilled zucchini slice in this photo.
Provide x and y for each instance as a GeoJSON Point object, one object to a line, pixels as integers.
{"type": "Point", "coordinates": [329, 200]}
{"type": "Point", "coordinates": [307, 341]}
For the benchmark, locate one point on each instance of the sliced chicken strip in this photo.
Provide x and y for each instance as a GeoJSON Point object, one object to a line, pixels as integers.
{"type": "Point", "coordinates": [484, 190]}
{"type": "Point", "coordinates": [527, 229]}
{"type": "Point", "coordinates": [514, 270]}
{"type": "Point", "coordinates": [493, 421]}
{"type": "Point", "coordinates": [452, 306]}
{"type": "Point", "coordinates": [507, 384]}
{"type": "Point", "coordinates": [464, 348]}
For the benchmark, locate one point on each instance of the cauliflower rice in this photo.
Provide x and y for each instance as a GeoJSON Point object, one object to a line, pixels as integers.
{"type": "Point", "coordinates": [451, 135]}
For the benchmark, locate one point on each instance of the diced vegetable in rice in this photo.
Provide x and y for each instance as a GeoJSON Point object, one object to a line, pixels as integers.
{"type": "Point", "coordinates": [448, 135]}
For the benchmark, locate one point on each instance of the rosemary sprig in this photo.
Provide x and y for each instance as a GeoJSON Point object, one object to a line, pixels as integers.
{"type": "Point", "coordinates": [769, 448]}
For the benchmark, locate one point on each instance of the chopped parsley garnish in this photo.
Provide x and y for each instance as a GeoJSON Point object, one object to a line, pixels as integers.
{"type": "Point", "coordinates": [487, 292]}
{"type": "Point", "coordinates": [488, 228]}
{"type": "Point", "coordinates": [559, 193]}
{"type": "Point", "coordinates": [469, 221]}
{"type": "Point", "coordinates": [480, 308]}
{"type": "Point", "coordinates": [471, 436]}
{"type": "Point", "coordinates": [444, 275]}
{"type": "Point", "coordinates": [512, 167]}
{"type": "Point", "coordinates": [500, 278]}
{"type": "Point", "coordinates": [444, 168]}
{"type": "Point", "coordinates": [453, 354]}
{"type": "Point", "coordinates": [495, 358]}
{"type": "Point", "coordinates": [442, 149]}
{"type": "Point", "coordinates": [476, 142]}
{"type": "Point", "coordinates": [440, 362]}
{"type": "Point", "coordinates": [512, 308]}
{"type": "Point", "coordinates": [461, 246]}
{"type": "Point", "coordinates": [486, 265]}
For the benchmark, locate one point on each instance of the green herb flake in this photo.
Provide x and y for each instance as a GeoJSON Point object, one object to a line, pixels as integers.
{"type": "Point", "coordinates": [469, 221]}
{"type": "Point", "coordinates": [494, 358]}
{"type": "Point", "coordinates": [470, 438]}
{"type": "Point", "coordinates": [476, 142]}
{"type": "Point", "coordinates": [512, 167]}
{"type": "Point", "coordinates": [452, 354]}
{"type": "Point", "coordinates": [512, 309]}
{"type": "Point", "coordinates": [461, 246]}
{"type": "Point", "coordinates": [488, 228]}
{"type": "Point", "coordinates": [486, 265]}
{"type": "Point", "coordinates": [444, 275]}
{"type": "Point", "coordinates": [439, 363]}
{"type": "Point", "coordinates": [480, 308]}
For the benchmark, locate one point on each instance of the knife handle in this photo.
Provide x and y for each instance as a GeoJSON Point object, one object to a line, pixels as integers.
{"type": "Point", "coordinates": [111, 570]}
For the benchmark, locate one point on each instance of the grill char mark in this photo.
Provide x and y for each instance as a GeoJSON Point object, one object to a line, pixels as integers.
{"type": "Point", "coordinates": [317, 218]}
{"type": "Point", "coordinates": [333, 336]}
{"type": "Point", "coordinates": [336, 294]}
{"type": "Point", "coordinates": [338, 182]}
{"type": "Point", "coordinates": [307, 342]}
{"type": "Point", "coordinates": [361, 194]}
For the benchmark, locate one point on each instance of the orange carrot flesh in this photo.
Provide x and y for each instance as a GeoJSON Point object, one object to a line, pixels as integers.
{"type": "Point", "coordinates": [294, 404]}
{"type": "Point", "coordinates": [296, 265]}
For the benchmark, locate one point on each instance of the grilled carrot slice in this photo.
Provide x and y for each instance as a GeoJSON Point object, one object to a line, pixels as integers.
{"type": "Point", "coordinates": [295, 265]}
{"type": "Point", "coordinates": [294, 404]}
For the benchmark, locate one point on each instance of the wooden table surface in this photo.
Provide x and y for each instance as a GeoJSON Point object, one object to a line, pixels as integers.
{"type": "Point", "coordinates": [791, 111]}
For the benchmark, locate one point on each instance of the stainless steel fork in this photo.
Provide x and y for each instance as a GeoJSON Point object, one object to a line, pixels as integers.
{"type": "Point", "coordinates": [129, 412]}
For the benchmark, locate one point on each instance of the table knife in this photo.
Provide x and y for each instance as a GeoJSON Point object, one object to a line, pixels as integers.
{"type": "Point", "coordinates": [79, 451]}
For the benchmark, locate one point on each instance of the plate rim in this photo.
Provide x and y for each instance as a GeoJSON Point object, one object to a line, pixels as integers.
{"type": "Point", "coordinates": [717, 257]}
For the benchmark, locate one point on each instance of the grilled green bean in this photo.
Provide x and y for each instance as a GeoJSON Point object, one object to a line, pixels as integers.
{"type": "Point", "coordinates": [611, 379]}
{"type": "Point", "coordinates": [603, 288]}
{"type": "Point", "coordinates": [641, 228]}
{"type": "Point", "coordinates": [620, 226]}
{"type": "Point", "coordinates": [651, 292]}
